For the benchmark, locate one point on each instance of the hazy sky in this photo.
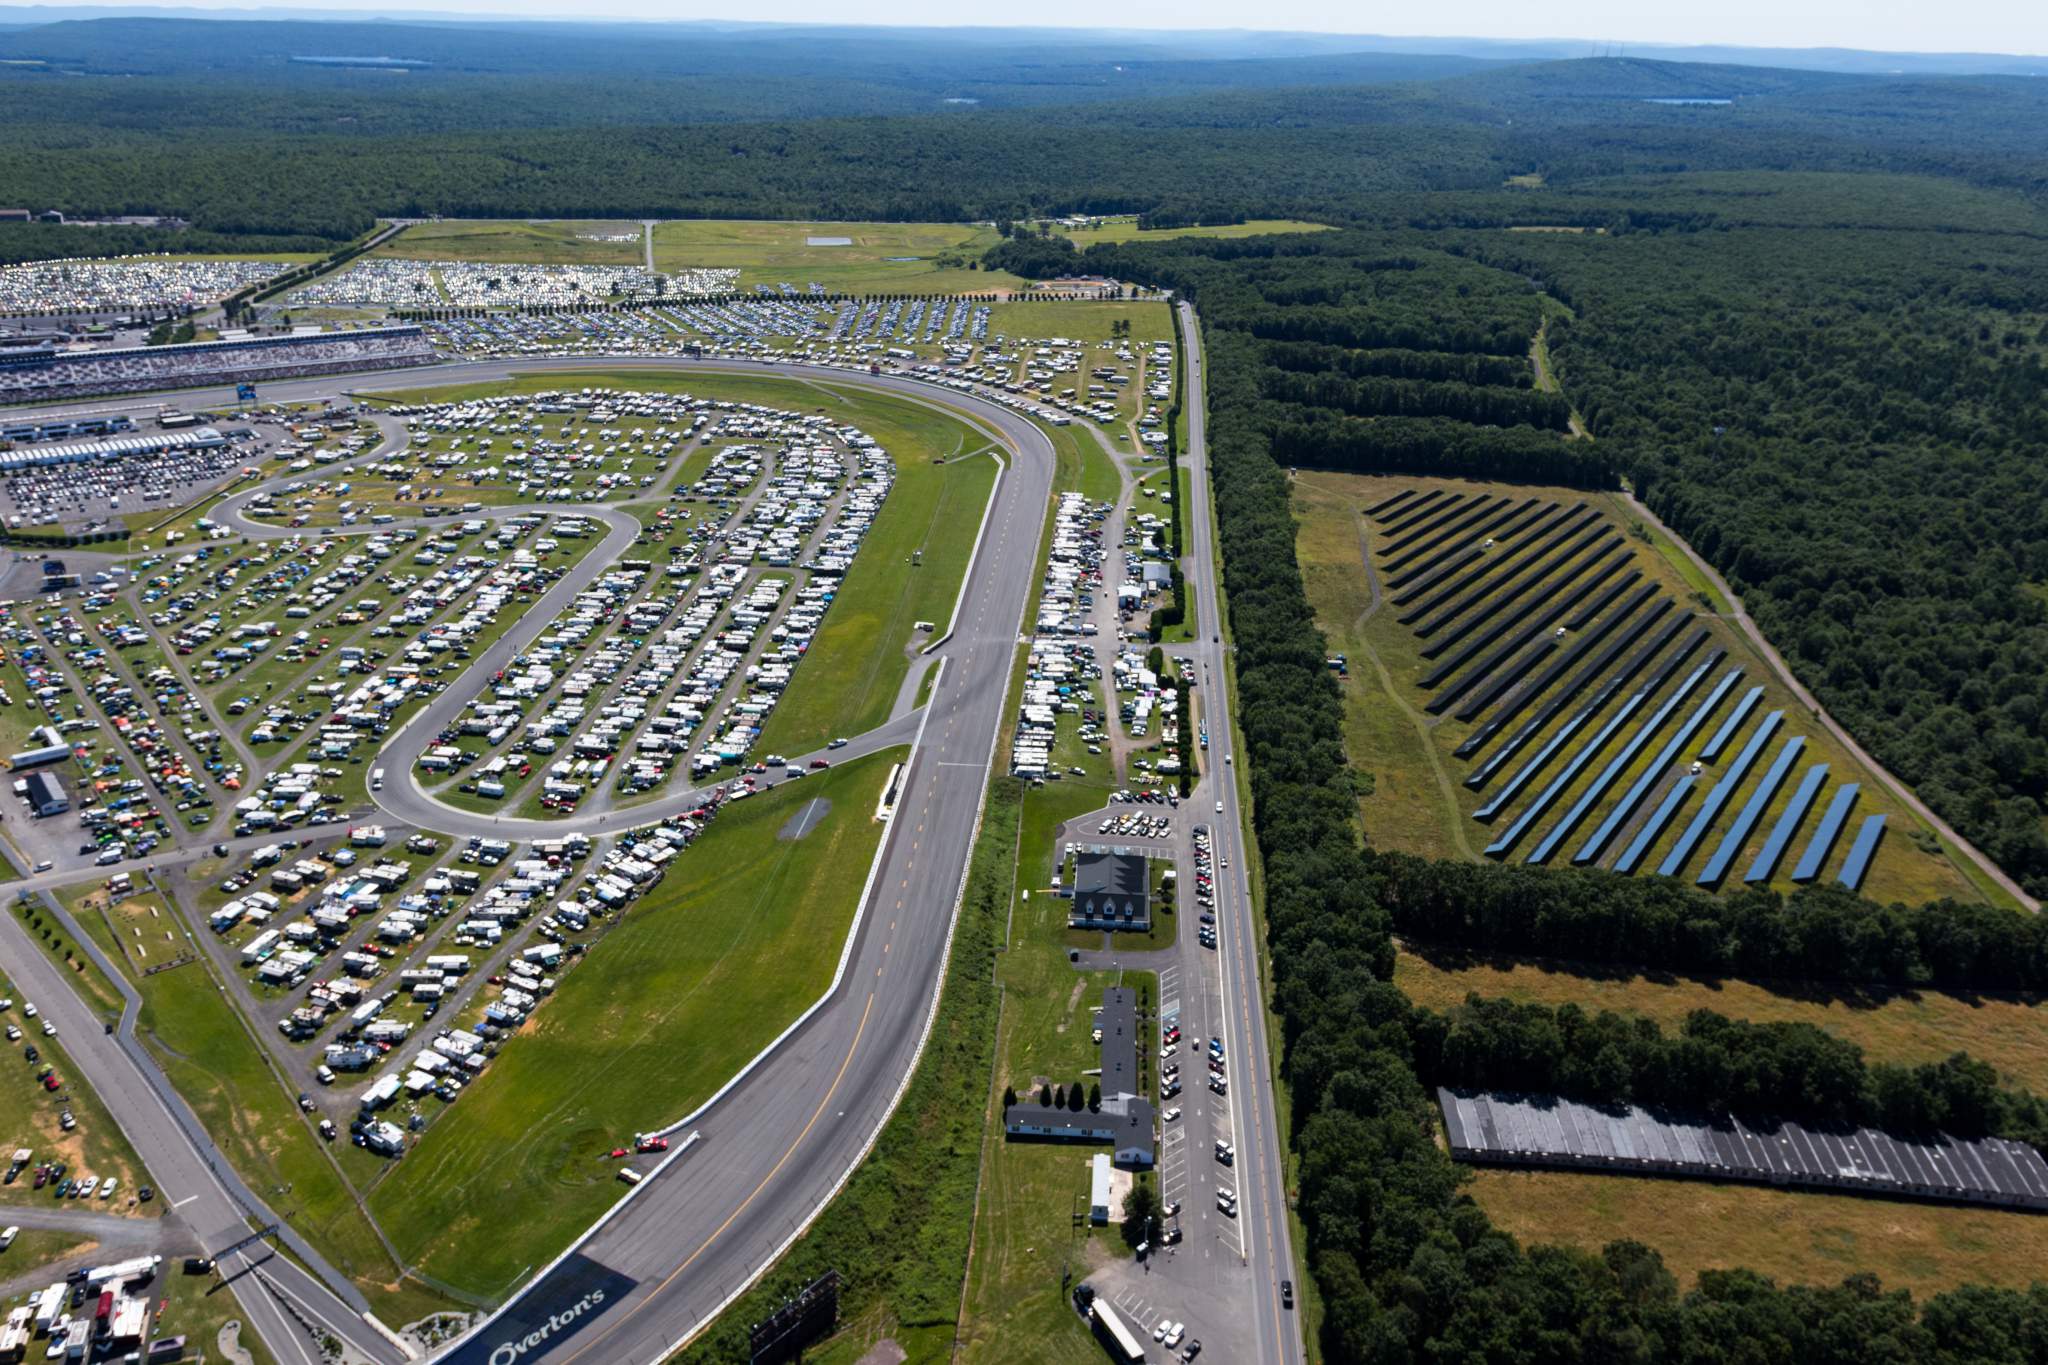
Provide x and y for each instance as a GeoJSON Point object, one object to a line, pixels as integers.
{"type": "Point", "coordinates": [2019, 26]}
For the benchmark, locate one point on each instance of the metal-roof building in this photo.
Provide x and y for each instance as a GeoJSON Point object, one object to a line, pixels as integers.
{"type": "Point", "coordinates": [1521, 1130]}
{"type": "Point", "coordinates": [113, 448]}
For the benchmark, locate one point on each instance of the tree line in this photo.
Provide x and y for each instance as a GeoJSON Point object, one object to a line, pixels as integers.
{"type": "Point", "coordinates": [1820, 932]}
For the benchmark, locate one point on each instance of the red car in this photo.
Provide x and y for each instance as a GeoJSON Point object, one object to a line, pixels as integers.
{"type": "Point", "coordinates": [52, 1083]}
{"type": "Point", "coordinates": [651, 1143]}
{"type": "Point", "coordinates": [819, 763]}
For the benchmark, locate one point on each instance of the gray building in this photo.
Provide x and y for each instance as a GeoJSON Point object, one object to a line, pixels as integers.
{"type": "Point", "coordinates": [1110, 892]}
{"type": "Point", "coordinates": [46, 795]}
{"type": "Point", "coordinates": [1124, 1122]}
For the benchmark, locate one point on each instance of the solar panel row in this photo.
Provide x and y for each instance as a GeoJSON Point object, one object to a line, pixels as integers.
{"type": "Point", "coordinates": [1558, 597]}
{"type": "Point", "coordinates": [1723, 792]}
{"type": "Point", "coordinates": [1528, 572]}
{"type": "Point", "coordinates": [1541, 683]}
{"type": "Point", "coordinates": [1436, 500]}
{"type": "Point", "coordinates": [1466, 542]}
{"type": "Point", "coordinates": [1788, 824]}
{"type": "Point", "coordinates": [1858, 861]}
{"type": "Point", "coordinates": [1627, 1140]}
{"type": "Point", "coordinates": [1752, 811]}
{"type": "Point", "coordinates": [1546, 523]}
{"type": "Point", "coordinates": [1607, 689]}
{"type": "Point", "coordinates": [1387, 505]}
{"type": "Point", "coordinates": [1653, 828]}
{"type": "Point", "coordinates": [1658, 766]}
{"type": "Point", "coordinates": [1596, 790]}
{"type": "Point", "coordinates": [1591, 750]}
{"type": "Point", "coordinates": [1428, 538]}
{"type": "Point", "coordinates": [1823, 841]}
{"type": "Point", "coordinates": [1711, 750]}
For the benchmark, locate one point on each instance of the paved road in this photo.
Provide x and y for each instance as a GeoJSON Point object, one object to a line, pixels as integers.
{"type": "Point", "coordinates": [1261, 1148]}
{"type": "Point", "coordinates": [193, 1180]}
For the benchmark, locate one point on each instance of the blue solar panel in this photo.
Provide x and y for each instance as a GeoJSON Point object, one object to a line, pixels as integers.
{"type": "Point", "coordinates": [1598, 788]}
{"type": "Point", "coordinates": [1573, 685]}
{"type": "Point", "coordinates": [1711, 750]}
{"type": "Point", "coordinates": [1752, 811]}
{"type": "Point", "coordinates": [1584, 646]}
{"type": "Point", "coordinates": [1562, 599]}
{"type": "Point", "coordinates": [1723, 792]}
{"type": "Point", "coordinates": [1788, 824]}
{"type": "Point", "coordinates": [1579, 760]}
{"type": "Point", "coordinates": [1659, 818]}
{"type": "Point", "coordinates": [1658, 765]}
{"type": "Point", "coordinates": [1858, 861]}
{"type": "Point", "coordinates": [1823, 841]}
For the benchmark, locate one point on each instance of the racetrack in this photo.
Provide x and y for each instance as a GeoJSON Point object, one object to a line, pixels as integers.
{"type": "Point", "coordinates": [777, 1144]}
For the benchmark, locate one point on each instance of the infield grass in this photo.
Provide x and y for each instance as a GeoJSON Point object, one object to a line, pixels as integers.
{"type": "Point", "coordinates": [701, 974]}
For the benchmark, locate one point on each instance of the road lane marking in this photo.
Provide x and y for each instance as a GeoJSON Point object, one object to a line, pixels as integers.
{"type": "Point", "coordinates": [859, 1032]}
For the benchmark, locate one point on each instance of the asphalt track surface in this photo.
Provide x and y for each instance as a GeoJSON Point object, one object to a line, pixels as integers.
{"type": "Point", "coordinates": [779, 1142]}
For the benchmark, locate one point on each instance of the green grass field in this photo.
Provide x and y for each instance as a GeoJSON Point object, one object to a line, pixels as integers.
{"type": "Point", "coordinates": [1081, 320]}
{"type": "Point", "coordinates": [699, 976]}
{"type": "Point", "coordinates": [206, 1049]}
{"type": "Point", "coordinates": [2012, 1035]}
{"type": "Point", "coordinates": [1415, 799]}
{"type": "Point", "coordinates": [1126, 230]}
{"type": "Point", "coordinates": [29, 1117]}
{"type": "Point", "coordinates": [551, 242]}
{"type": "Point", "coordinates": [892, 258]}
{"type": "Point", "coordinates": [1795, 1238]}
{"type": "Point", "coordinates": [856, 663]}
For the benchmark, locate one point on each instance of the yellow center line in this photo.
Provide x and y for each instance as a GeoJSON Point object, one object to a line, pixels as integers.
{"type": "Point", "coordinates": [773, 1172]}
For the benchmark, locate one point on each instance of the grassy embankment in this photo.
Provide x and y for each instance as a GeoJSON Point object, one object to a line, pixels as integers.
{"type": "Point", "coordinates": [659, 1014]}
{"type": "Point", "coordinates": [206, 1049]}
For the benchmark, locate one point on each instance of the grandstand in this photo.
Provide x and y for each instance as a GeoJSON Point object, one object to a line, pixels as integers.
{"type": "Point", "coordinates": [54, 376]}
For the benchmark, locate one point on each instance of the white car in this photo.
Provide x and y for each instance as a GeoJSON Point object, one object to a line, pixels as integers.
{"type": "Point", "coordinates": [92, 1182]}
{"type": "Point", "coordinates": [7, 1237]}
{"type": "Point", "coordinates": [1174, 1334]}
{"type": "Point", "coordinates": [49, 1029]}
{"type": "Point", "coordinates": [1159, 1332]}
{"type": "Point", "coordinates": [29, 1008]}
{"type": "Point", "coordinates": [1170, 1115]}
{"type": "Point", "coordinates": [107, 1190]}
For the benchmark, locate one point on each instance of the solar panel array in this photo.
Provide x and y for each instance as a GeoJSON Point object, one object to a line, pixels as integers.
{"type": "Point", "coordinates": [1533, 621]}
{"type": "Point", "coordinates": [1516, 1130]}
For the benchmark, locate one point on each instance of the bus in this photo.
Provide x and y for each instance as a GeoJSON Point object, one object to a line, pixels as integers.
{"type": "Point", "coordinates": [1123, 1344]}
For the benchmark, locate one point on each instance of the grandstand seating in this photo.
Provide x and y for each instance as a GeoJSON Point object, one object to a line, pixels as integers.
{"type": "Point", "coordinates": [55, 376]}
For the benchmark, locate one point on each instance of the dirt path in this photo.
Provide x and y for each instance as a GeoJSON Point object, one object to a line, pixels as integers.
{"type": "Point", "coordinates": [1546, 379]}
{"type": "Point", "coordinates": [1740, 616]}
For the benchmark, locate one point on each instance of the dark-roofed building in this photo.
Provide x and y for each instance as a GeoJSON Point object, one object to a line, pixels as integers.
{"type": "Point", "coordinates": [1125, 1120]}
{"type": "Point", "coordinates": [46, 795]}
{"type": "Point", "coordinates": [1124, 1124]}
{"type": "Point", "coordinates": [1110, 892]}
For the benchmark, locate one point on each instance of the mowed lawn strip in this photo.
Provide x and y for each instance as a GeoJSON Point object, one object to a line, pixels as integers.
{"type": "Point", "coordinates": [700, 975]}
{"type": "Point", "coordinates": [1795, 1238]}
{"type": "Point", "coordinates": [549, 243]}
{"type": "Point", "coordinates": [856, 662]}
{"type": "Point", "coordinates": [1127, 230]}
{"type": "Point", "coordinates": [207, 1052]}
{"type": "Point", "coordinates": [889, 258]}
{"type": "Point", "coordinates": [2011, 1035]}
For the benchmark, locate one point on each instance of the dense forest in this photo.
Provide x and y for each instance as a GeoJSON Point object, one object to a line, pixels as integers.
{"type": "Point", "coordinates": [1408, 1267]}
